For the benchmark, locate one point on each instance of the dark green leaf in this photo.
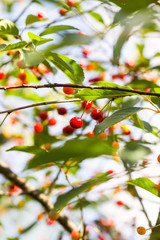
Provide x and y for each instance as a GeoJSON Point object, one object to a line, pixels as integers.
{"type": "Point", "coordinates": [8, 27]}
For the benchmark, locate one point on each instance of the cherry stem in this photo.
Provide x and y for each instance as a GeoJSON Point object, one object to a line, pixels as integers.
{"type": "Point", "coordinates": [153, 227]}
{"type": "Point", "coordinates": [151, 103]}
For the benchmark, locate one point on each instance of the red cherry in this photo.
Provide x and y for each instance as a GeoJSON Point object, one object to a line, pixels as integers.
{"type": "Point", "coordinates": [2, 75]}
{"type": "Point", "coordinates": [36, 73]}
{"type": "Point", "coordinates": [86, 51]}
{"type": "Point", "coordinates": [158, 158]}
{"type": "Point", "coordinates": [49, 221]}
{"type": "Point", "coordinates": [81, 33]}
{"type": "Point", "coordinates": [96, 114]}
{"type": "Point", "coordinates": [43, 115]}
{"type": "Point", "coordinates": [120, 203]}
{"type": "Point", "coordinates": [14, 189]}
{"type": "Point", "coordinates": [110, 171]}
{"type": "Point", "coordinates": [22, 76]}
{"type": "Point", "coordinates": [68, 90]}
{"type": "Point", "coordinates": [40, 15]}
{"type": "Point", "coordinates": [68, 130]}
{"type": "Point", "coordinates": [38, 127]}
{"type": "Point", "coordinates": [52, 121]}
{"type": "Point", "coordinates": [76, 122]}
{"type": "Point", "coordinates": [75, 235]}
{"type": "Point", "coordinates": [71, 2]}
{"type": "Point", "coordinates": [87, 104]}
{"type": "Point", "coordinates": [62, 12]}
{"type": "Point", "coordinates": [96, 79]}
{"type": "Point", "coordinates": [62, 111]}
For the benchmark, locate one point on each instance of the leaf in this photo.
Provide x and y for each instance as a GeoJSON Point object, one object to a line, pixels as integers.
{"type": "Point", "coordinates": [68, 66]}
{"type": "Point", "coordinates": [57, 28]}
{"type": "Point", "coordinates": [147, 126]}
{"type": "Point", "coordinates": [97, 17]}
{"type": "Point", "coordinates": [137, 122]}
{"type": "Point", "coordinates": [27, 149]}
{"type": "Point", "coordinates": [93, 94]}
{"type": "Point", "coordinates": [144, 183]}
{"type": "Point", "coordinates": [133, 152]}
{"type": "Point", "coordinates": [116, 117]}
{"type": "Point", "coordinates": [38, 40]}
{"type": "Point", "coordinates": [13, 46]}
{"type": "Point", "coordinates": [32, 58]}
{"type": "Point", "coordinates": [142, 84]}
{"type": "Point", "coordinates": [8, 27]}
{"type": "Point", "coordinates": [32, 19]}
{"type": "Point", "coordinates": [65, 198]}
{"type": "Point", "coordinates": [75, 149]}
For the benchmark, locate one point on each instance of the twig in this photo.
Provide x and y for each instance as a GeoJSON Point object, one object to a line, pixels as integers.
{"type": "Point", "coordinates": [37, 195]}
{"type": "Point", "coordinates": [53, 183]}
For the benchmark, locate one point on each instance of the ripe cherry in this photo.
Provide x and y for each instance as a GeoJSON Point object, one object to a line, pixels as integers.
{"type": "Point", "coordinates": [38, 127]}
{"type": "Point", "coordinates": [40, 216]}
{"type": "Point", "coordinates": [49, 221]}
{"type": "Point", "coordinates": [62, 12]}
{"type": "Point", "coordinates": [68, 130]}
{"type": "Point", "coordinates": [96, 114]}
{"type": "Point", "coordinates": [115, 144]}
{"type": "Point", "coordinates": [40, 15]}
{"type": "Point", "coordinates": [141, 230]}
{"type": "Point", "coordinates": [158, 158]}
{"type": "Point", "coordinates": [68, 90]}
{"type": "Point", "coordinates": [76, 122]}
{"type": "Point", "coordinates": [22, 76]}
{"type": "Point", "coordinates": [14, 189]}
{"type": "Point", "coordinates": [71, 2]}
{"type": "Point", "coordinates": [87, 105]}
{"type": "Point", "coordinates": [2, 75]}
{"type": "Point", "coordinates": [75, 235]}
{"type": "Point", "coordinates": [86, 51]}
{"type": "Point", "coordinates": [120, 203]}
{"type": "Point", "coordinates": [62, 111]}
{"type": "Point", "coordinates": [90, 134]}
{"type": "Point", "coordinates": [43, 115]}
{"type": "Point", "coordinates": [52, 121]}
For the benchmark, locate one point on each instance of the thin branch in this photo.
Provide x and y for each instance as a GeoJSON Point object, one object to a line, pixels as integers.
{"type": "Point", "coordinates": [37, 195]}
{"type": "Point", "coordinates": [39, 104]}
{"type": "Point", "coordinates": [79, 86]}
{"type": "Point", "coordinates": [53, 183]}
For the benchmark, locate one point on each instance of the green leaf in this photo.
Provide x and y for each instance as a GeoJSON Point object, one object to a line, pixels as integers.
{"type": "Point", "coordinates": [57, 28]}
{"type": "Point", "coordinates": [28, 149]}
{"type": "Point", "coordinates": [116, 117]}
{"type": "Point", "coordinates": [147, 126]}
{"type": "Point", "coordinates": [144, 183]}
{"type": "Point", "coordinates": [38, 40]}
{"type": "Point", "coordinates": [32, 58]}
{"type": "Point", "coordinates": [142, 84]}
{"type": "Point", "coordinates": [65, 198]}
{"type": "Point", "coordinates": [75, 149]}
{"type": "Point", "coordinates": [12, 46]}
{"type": "Point", "coordinates": [93, 94]}
{"type": "Point", "coordinates": [8, 27]}
{"type": "Point", "coordinates": [68, 66]}
{"type": "Point", "coordinates": [137, 122]}
{"type": "Point", "coordinates": [133, 152]}
{"type": "Point", "coordinates": [32, 19]}
{"type": "Point", "coordinates": [97, 16]}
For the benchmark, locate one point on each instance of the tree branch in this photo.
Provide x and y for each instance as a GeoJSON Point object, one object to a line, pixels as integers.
{"type": "Point", "coordinates": [37, 195]}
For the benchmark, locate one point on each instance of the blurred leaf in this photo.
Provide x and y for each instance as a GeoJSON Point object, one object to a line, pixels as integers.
{"type": "Point", "coordinates": [64, 199]}
{"type": "Point", "coordinates": [130, 101]}
{"type": "Point", "coordinates": [137, 122]}
{"type": "Point", "coordinates": [142, 84]}
{"type": "Point", "coordinates": [28, 149]}
{"type": "Point", "coordinates": [147, 126]}
{"type": "Point", "coordinates": [144, 183]}
{"type": "Point", "coordinates": [75, 149]}
{"type": "Point", "coordinates": [32, 19]}
{"type": "Point", "coordinates": [68, 66]}
{"type": "Point", "coordinates": [57, 28]}
{"type": "Point", "coordinates": [32, 58]}
{"type": "Point", "coordinates": [93, 94]}
{"type": "Point", "coordinates": [8, 27]}
{"type": "Point", "coordinates": [38, 40]}
{"type": "Point", "coordinates": [12, 46]}
{"type": "Point", "coordinates": [97, 17]}
{"type": "Point", "coordinates": [116, 117]}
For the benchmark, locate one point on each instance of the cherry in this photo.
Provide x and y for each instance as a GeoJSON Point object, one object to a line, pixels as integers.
{"type": "Point", "coordinates": [40, 216]}
{"type": "Point", "coordinates": [119, 75]}
{"type": "Point", "coordinates": [62, 111]}
{"type": "Point", "coordinates": [96, 79]}
{"type": "Point", "coordinates": [90, 134]}
{"type": "Point", "coordinates": [22, 76]}
{"type": "Point", "coordinates": [101, 119]}
{"type": "Point", "coordinates": [49, 221]}
{"type": "Point", "coordinates": [96, 114]}
{"type": "Point", "coordinates": [62, 12]}
{"type": "Point", "coordinates": [71, 2]}
{"type": "Point", "coordinates": [115, 144]}
{"type": "Point", "coordinates": [52, 121]}
{"type": "Point", "coordinates": [68, 90]}
{"type": "Point", "coordinates": [14, 189]}
{"type": "Point", "coordinates": [40, 15]}
{"type": "Point", "coordinates": [158, 158]}
{"type": "Point", "coordinates": [75, 235]}
{"type": "Point", "coordinates": [43, 115]}
{"type": "Point", "coordinates": [76, 122]}
{"type": "Point", "coordinates": [102, 136]}
{"type": "Point", "coordinates": [38, 127]}
{"type": "Point", "coordinates": [36, 73]}
{"type": "Point", "coordinates": [126, 129]}
{"type": "Point", "coordinates": [130, 64]}
{"type": "Point", "coordinates": [86, 51]}
{"type": "Point", "coordinates": [141, 230]}
{"type": "Point", "coordinates": [68, 130]}
{"type": "Point", "coordinates": [2, 75]}
{"type": "Point", "coordinates": [110, 171]}
{"type": "Point", "coordinates": [120, 203]}
{"type": "Point", "coordinates": [87, 104]}
{"type": "Point", "coordinates": [81, 33]}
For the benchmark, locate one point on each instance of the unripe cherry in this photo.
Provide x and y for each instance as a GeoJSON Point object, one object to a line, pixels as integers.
{"type": "Point", "coordinates": [38, 127]}
{"type": "Point", "coordinates": [2, 75]}
{"type": "Point", "coordinates": [141, 230]}
{"type": "Point", "coordinates": [43, 115]}
{"type": "Point", "coordinates": [68, 90]}
{"type": "Point", "coordinates": [87, 105]}
{"type": "Point", "coordinates": [102, 136]}
{"type": "Point", "coordinates": [115, 144]}
{"type": "Point", "coordinates": [75, 235]}
{"type": "Point", "coordinates": [76, 122]}
{"type": "Point", "coordinates": [96, 114]}
{"type": "Point", "coordinates": [62, 111]}
{"type": "Point", "coordinates": [90, 134]}
{"type": "Point", "coordinates": [68, 130]}
{"type": "Point", "coordinates": [52, 121]}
